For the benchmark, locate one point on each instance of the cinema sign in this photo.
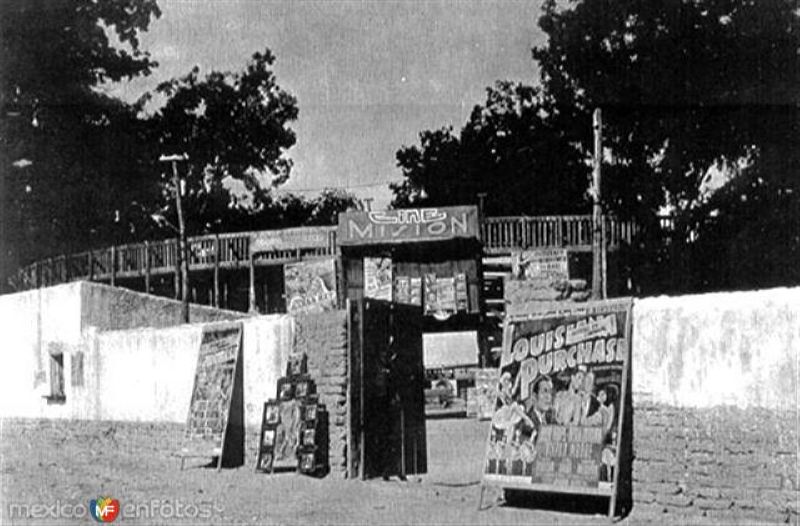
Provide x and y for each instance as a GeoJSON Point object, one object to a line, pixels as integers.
{"type": "Point", "coordinates": [415, 224]}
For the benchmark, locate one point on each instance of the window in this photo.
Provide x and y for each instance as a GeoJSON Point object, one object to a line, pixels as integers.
{"type": "Point", "coordinates": [57, 394]}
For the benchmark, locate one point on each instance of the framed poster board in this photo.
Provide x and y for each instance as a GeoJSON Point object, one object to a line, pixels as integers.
{"type": "Point", "coordinates": [217, 373]}
{"type": "Point", "coordinates": [557, 424]}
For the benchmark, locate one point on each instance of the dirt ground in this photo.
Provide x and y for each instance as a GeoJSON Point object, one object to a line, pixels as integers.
{"type": "Point", "coordinates": [49, 470]}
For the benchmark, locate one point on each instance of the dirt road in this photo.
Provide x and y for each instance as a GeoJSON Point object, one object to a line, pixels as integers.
{"type": "Point", "coordinates": [60, 465]}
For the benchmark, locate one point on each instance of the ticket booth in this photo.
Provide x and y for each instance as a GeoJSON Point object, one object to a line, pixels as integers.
{"type": "Point", "coordinates": [429, 258]}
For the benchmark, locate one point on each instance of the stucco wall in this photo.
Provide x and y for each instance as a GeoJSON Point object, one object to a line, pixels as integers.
{"type": "Point", "coordinates": [737, 348]}
{"type": "Point", "coordinates": [58, 319]}
{"type": "Point", "coordinates": [32, 322]}
{"type": "Point", "coordinates": [147, 374]}
{"type": "Point", "coordinates": [112, 308]}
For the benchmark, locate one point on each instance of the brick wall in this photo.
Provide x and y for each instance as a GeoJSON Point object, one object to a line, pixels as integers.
{"type": "Point", "coordinates": [724, 463]}
{"type": "Point", "coordinates": [323, 338]}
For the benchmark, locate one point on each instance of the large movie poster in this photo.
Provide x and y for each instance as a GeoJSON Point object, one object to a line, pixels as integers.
{"type": "Point", "coordinates": [556, 421]}
{"type": "Point", "coordinates": [310, 286]}
{"type": "Point", "coordinates": [212, 392]}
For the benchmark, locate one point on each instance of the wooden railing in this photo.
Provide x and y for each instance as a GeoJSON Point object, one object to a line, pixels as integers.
{"type": "Point", "coordinates": [501, 234]}
{"type": "Point", "coordinates": [232, 250]}
{"type": "Point", "coordinates": [152, 258]}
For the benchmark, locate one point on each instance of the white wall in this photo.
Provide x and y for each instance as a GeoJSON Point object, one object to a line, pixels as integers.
{"type": "Point", "coordinates": [737, 348]}
{"type": "Point", "coordinates": [32, 322]}
{"type": "Point", "coordinates": [134, 374]}
{"type": "Point", "coordinates": [147, 374]}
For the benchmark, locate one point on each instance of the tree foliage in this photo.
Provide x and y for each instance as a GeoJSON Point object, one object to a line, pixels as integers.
{"type": "Point", "coordinates": [511, 148]}
{"type": "Point", "coordinates": [686, 86]}
{"type": "Point", "coordinates": [70, 153]}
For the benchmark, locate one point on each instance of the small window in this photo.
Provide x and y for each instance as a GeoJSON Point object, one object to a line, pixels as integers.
{"type": "Point", "coordinates": [57, 393]}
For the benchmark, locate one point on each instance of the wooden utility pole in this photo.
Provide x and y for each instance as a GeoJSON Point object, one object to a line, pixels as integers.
{"type": "Point", "coordinates": [183, 255]}
{"type": "Point", "coordinates": [598, 245]}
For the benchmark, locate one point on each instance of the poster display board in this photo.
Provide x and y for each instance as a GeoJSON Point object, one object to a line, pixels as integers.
{"type": "Point", "coordinates": [310, 286]}
{"type": "Point", "coordinates": [378, 278]}
{"type": "Point", "coordinates": [544, 265]}
{"type": "Point", "coordinates": [212, 393]}
{"type": "Point", "coordinates": [557, 421]}
{"type": "Point", "coordinates": [289, 239]}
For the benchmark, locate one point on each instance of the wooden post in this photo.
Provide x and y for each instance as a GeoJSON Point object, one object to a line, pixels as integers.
{"type": "Point", "coordinates": [177, 280]}
{"type": "Point", "coordinates": [147, 267]}
{"type": "Point", "coordinates": [252, 284]}
{"type": "Point", "coordinates": [216, 270]}
{"type": "Point", "coordinates": [113, 266]}
{"type": "Point", "coordinates": [183, 246]}
{"type": "Point", "coordinates": [91, 265]}
{"type": "Point", "coordinates": [597, 210]}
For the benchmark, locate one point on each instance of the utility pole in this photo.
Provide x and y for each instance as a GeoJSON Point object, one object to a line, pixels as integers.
{"type": "Point", "coordinates": [183, 255]}
{"type": "Point", "coordinates": [598, 244]}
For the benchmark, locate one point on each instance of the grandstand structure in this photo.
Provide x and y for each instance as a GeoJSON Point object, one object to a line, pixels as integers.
{"type": "Point", "coordinates": [244, 270]}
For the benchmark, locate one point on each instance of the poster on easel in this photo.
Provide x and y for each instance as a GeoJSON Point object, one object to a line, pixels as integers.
{"type": "Point", "coordinates": [213, 393]}
{"type": "Point", "coordinates": [557, 424]}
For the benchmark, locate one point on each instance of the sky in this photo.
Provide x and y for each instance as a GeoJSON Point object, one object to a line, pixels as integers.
{"type": "Point", "coordinates": [369, 76]}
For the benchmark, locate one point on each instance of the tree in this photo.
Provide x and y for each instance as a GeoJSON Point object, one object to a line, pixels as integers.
{"type": "Point", "coordinates": [686, 86]}
{"type": "Point", "coordinates": [511, 148]}
{"type": "Point", "coordinates": [70, 154]}
{"type": "Point", "coordinates": [231, 125]}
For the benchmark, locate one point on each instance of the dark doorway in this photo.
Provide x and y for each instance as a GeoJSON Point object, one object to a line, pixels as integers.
{"type": "Point", "coordinates": [387, 390]}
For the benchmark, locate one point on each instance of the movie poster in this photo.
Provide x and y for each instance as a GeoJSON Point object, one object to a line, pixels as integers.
{"type": "Point", "coordinates": [540, 265]}
{"type": "Point", "coordinates": [556, 418]}
{"type": "Point", "coordinates": [402, 289]}
{"type": "Point", "coordinates": [287, 435]}
{"type": "Point", "coordinates": [440, 296]}
{"type": "Point", "coordinates": [378, 278]}
{"type": "Point", "coordinates": [310, 286]}
{"type": "Point", "coordinates": [212, 392]}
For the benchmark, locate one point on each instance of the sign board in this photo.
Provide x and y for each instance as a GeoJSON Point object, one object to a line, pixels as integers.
{"type": "Point", "coordinates": [289, 239]}
{"type": "Point", "coordinates": [378, 278]}
{"type": "Point", "coordinates": [212, 393]}
{"type": "Point", "coordinates": [310, 286]}
{"type": "Point", "coordinates": [557, 422]}
{"type": "Point", "coordinates": [550, 264]}
{"type": "Point", "coordinates": [446, 350]}
{"type": "Point", "coordinates": [402, 226]}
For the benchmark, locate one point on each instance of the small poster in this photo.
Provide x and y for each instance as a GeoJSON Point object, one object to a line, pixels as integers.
{"type": "Point", "coordinates": [310, 286]}
{"type": "Point", "coordinates": [378, 278]}
{"type": "Point", "coordinates": [462, 296]}
{"type": "Point", "coordinates": [446, 294]}
{"type": "Point", "coordinates": [557, 420]}
{"type": "Point", "coordinates": [440, 296]}
{"type": "Point", "coordinates": [541, 265]}
{"type": "Point", "coordinates": [402, 289]}
{"type": "Point", "coordinates": [416, 291]}
{"type": "Point", "coordinates": [431, 303]}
